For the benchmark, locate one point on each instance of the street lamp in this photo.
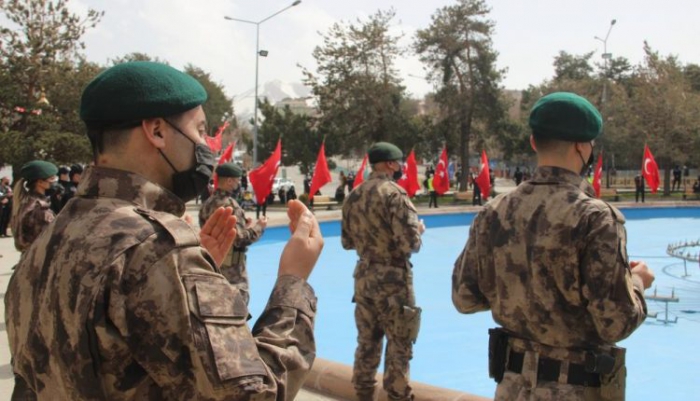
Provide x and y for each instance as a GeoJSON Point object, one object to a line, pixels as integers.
{"type": "Point", "coordinates": [258, 53]}
{"type": "Point", "coordinates": [606, 56]}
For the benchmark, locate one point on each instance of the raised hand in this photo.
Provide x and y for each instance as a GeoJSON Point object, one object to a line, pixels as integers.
{"type": "Point", "coordinates": [218, 233]}
{"type": "Point", "coordinates": [304, 247]}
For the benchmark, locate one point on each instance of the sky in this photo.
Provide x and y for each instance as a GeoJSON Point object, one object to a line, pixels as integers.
{"type": "Point", "coordinates": [528, 34]}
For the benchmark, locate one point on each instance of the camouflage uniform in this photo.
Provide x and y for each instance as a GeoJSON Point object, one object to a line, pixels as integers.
{"type": "Point", "coordinates": [234, 265]}
{"type": "Point", "coordinates": [34, 215]}
{"type": "Point", "coordinates": [381, 223]}
{"type": "Point", "coordinates": [550, 262]}
{"type": "Point", "coordinates": [119, 301]}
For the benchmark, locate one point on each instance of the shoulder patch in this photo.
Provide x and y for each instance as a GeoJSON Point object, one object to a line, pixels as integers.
{"type": "Point", "coordinates": [617, 213]}
{"type": "Point", "coordinates": [182, 233]}
{"type": "Point", "coordinates": [397, 187]}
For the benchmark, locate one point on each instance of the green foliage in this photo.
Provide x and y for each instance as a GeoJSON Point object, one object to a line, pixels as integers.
{"type": "Point", "coordinates": [42, 72]}
{"type": "Point", "coordinates": [571, 67]}
{"type": "Point", "coordinates": [300, 143]}
{"type": "Point", "coordinates": [357, 86]}
{"type": "Point", "coordinates": [218, 107]}
{"type": "Point", "coordinates": [654, 103]}
{"type": "Point", "coordinates": [457, 49]}
{"type": "Point", "coordinates": [137, 56]}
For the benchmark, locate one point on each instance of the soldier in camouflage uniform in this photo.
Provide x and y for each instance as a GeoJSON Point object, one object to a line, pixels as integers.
{"type": "Point", "coordinates": [550, 262]}
{"type": "Point", "coordinates": [32, 209]}
{"type": "Point", "coordinates": [234, 266]}
{"type": "Point", "coordinates": [121, 299]}
{"type": "Point", "coordinates": [381, 224]}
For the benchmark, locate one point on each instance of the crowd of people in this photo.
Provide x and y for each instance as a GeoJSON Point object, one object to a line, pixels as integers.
{"type": "Point", "coordinates": [118, 296]}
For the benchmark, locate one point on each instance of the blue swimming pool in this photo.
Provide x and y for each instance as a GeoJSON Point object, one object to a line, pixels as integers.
{"type": "Point", "coordinates": [452, 348]}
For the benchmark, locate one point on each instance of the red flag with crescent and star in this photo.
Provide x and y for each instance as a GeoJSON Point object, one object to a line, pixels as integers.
{"type": "Point", "coordinates": [441, 181]}
{"type": "Point", "coordinates": [650, 170]}
{"type": "Point", "coordinates": [409, 179]}
{"type": "Point", "coordinates": [263, 177]}
{"type": "Point", "coordinates": [360, 173]}
{"type": "Point", "coordinates": [598, 174]}
{"type": "Point", "coordinates": [322, 175]}
{"type": "Point", "coordinates": [483, 180]}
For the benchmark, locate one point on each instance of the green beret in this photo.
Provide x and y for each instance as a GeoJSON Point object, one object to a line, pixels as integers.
{"type": "Point", "coordinates": [131, 92]}
{"type": "Point", "coordinates": [565, 116]}
{"type": "Point", "coordinates": [229, 170]}
{"type": "Point", "coordinates": [384, 152]}
{"type": "Point", "coordinates": [38, 170]}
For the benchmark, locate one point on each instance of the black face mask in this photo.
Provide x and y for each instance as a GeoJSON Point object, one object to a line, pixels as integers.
{"type": "Point", "coordinates": [188, 184]}
{"type": "Point", "coordinates": [54, 189]}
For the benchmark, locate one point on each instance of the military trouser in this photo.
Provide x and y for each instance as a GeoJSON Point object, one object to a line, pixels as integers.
{"type": "Point", "coordinates": [547, 373]}
{"type": "Point", "coordinates": [234, 269]}
{"type": "Point", "coordinates": [384, 306]}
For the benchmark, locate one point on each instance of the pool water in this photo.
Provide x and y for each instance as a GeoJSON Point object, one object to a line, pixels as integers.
{"type": "Point", "coordinates": [451, 350]}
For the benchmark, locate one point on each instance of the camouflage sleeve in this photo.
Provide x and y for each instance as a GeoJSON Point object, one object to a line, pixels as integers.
{"type": "Point", "coordinates": [245, 236]}
{"type": "Point", "coordinates": [615, 303]}
{"type": "Point", "coordinates": [404, 223]}
{"type": "Point", "coordinates": [284, 334]}
{"type": "Point", "coordinates": [186, 326]}
{"type": "Point", "coordinates": [466, 295]}
{"type": "Point", "coordinates": [345, 235]}
{"type": "Point", "coordinates": [210, 205]}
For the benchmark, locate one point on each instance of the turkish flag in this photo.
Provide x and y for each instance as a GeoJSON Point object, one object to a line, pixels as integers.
{"type": "Point", "coordinates": [322, 175]}
{"type": "Point", "coordinates": [214, 142]}
{"type": "Point", "coordinates": [225, 157]}
{"type": "Point", "coordinates": [650, 170]}
{"type": "Point", "coordinates": [597, 174]}
{"type": "Point", "coordinates": [263, 177]}
{"type": "Point", "coordinates": [409, 179]}
{"type": "Point", "coordinates": [360, 173]}
{"type": "Point", "coordinates": [483, 180]}
{"type": "Point", "coordinates": [441, 181]}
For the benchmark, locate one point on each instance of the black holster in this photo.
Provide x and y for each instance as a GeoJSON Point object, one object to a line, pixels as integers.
{"type": "Point", "coordinates": [498, 351]}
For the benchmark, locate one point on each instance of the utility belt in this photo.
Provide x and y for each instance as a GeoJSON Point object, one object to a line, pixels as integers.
{"type": "Point", "coordinates": [395, 262]}
{"type": "Point", "coordinates": [604, 369]}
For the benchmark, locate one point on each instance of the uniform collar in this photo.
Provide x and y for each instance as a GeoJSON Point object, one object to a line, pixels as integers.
{"type": "Point", "coordinates": [101, 182]}
{"type": "Point", "coordinates": [550, 174]}
{"type": "Point", "coordinates": [380, 175]}
{"type": "Point", "coordinates": [219, 191]}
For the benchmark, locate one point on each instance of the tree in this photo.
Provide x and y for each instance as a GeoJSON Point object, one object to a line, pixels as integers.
{"type": "Point", "coordinates": [40, 63]}
{"type": "Point", "coordinates": [572, 67]}
{"type": "Point", "coordinates": [300, 141]}
{"type": "Point", "coordinates": [667, 111]}
{"type": "Point", "coordinates": [218, 107]}
{"type": "Point", "coordinates": [692, 74]}
{"type": "Point", "coordinates": [458, 52]}
{"type": "Point", "coordinates": [357, 87]}
{"type": "Point", "coordinates": [137, 56]}
{"type": "Point", "coordinates": [46, 35]}
{"type": "Point", "coordinates": [653, 102]}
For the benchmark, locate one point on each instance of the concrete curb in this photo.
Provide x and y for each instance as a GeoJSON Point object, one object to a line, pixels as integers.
{"type": "Point", "coordinates": [335, 380]}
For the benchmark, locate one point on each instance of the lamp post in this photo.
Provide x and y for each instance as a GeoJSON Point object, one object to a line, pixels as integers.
{"type": "Point", "coordinates": [606, 56]}
{"type": "Point", "coordinates": [258, 53]}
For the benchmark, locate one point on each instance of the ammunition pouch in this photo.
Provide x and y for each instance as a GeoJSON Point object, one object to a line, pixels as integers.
{"type": "Point", "coordinates": [613, 379]}
{"type": "Point", "coordinates": [411, 318]}
{"type": "Point", "coordinates": [498, 350]}
{"type": "Point", "coordinates": [404, 319]}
